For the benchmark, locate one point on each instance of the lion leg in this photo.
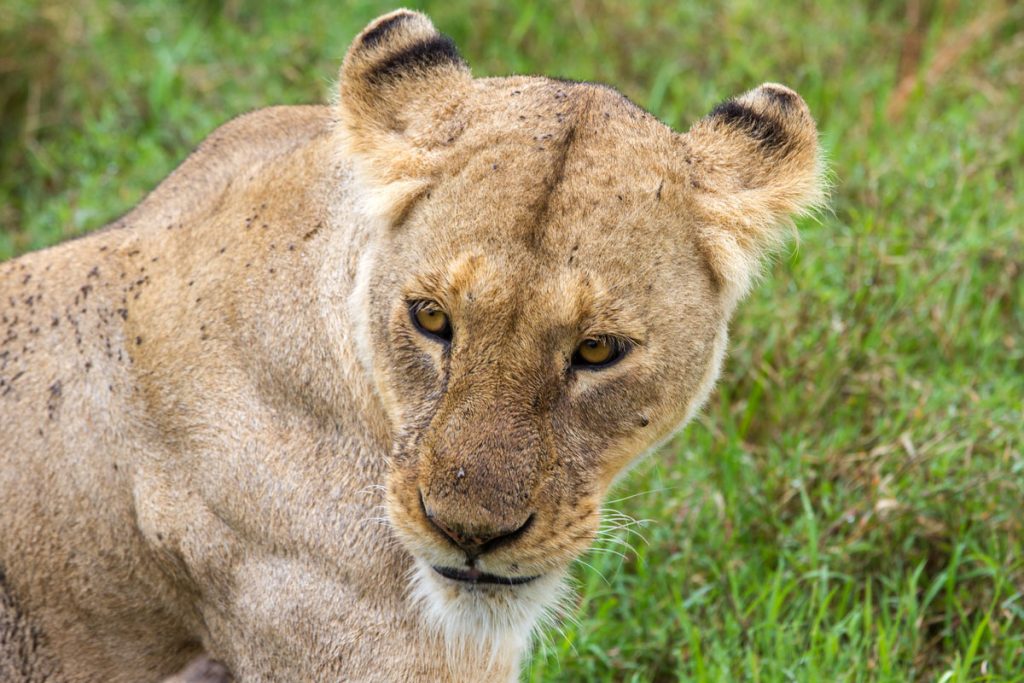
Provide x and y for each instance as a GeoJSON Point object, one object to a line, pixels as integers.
{"type": "Point", "coordinates": [23, 655]}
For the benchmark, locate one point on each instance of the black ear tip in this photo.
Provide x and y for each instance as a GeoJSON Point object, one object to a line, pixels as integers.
{"type": "Point", "coordinates": [768, 130]}
{"type": "Point", "coordinates": [430, 53]}
{"type": "Point", "coordinates": [729, 110]}
{"type": "Point", "coordinates": [772, 114]}
{"type": "Point", "coordinates": [402, 44]}
{"type": "Point", "coordinates": [782, 97]}
{"type": "Point", "coordinates": [378, 31]}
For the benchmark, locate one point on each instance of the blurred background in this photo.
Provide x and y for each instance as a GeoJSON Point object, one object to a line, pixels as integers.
{"type": "Point", "coordinates": [849, 506]}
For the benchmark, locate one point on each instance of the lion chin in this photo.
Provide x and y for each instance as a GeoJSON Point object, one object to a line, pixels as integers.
{"type": "Point", "coordinates": [486, 621]}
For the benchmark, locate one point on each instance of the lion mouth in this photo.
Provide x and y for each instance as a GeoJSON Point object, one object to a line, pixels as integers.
{"type": "Point", "coordinates": [475, 576]}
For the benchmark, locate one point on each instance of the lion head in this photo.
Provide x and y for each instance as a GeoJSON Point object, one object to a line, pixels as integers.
{"type": "Point", "coordinates": [545, 297]}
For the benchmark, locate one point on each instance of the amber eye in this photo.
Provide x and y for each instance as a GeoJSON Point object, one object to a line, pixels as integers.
{"type": "Point", "coordinates": [431, 320]}
{"type": "Point", "coordinates": [597, 352]}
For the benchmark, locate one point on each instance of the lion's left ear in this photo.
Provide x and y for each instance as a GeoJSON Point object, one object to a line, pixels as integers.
{"type": "Point", "coordinates": [401, 86]}
{"type": "Point", "coordinates": [754, 164]}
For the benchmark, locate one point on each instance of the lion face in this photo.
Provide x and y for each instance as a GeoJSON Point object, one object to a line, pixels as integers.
{"type": "Point", "coordinates": [529, 354]}
{"type": "Point", "coordinates": [546, 296]}
{"type": "Point", "coordinates": [527, 363]}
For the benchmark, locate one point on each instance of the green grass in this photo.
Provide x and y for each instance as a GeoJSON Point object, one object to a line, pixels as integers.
{"type": "Point", "coordinates": [848, 507]}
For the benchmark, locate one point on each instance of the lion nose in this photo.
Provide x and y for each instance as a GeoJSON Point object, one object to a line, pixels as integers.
{"type": "Point", "coordinates": [478, 540]}
{"type": "Point", "coordinates": [482, 539]}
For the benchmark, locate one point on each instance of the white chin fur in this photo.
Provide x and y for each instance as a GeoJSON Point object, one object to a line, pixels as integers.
{"type": "Point", "coordinates": [490, 623]}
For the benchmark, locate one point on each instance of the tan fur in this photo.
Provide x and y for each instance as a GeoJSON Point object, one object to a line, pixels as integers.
{"type": "Point", "coordinates": [221, 430]}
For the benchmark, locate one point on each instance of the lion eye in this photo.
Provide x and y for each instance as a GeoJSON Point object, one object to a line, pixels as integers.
{"type": "Point", "coordinates": [598, 352]}
{"type": "Point", "coordinates": [431, 321]}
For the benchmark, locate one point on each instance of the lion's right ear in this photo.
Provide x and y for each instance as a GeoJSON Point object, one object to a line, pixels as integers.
{"type": "Point", "coordinates": [402, 83]}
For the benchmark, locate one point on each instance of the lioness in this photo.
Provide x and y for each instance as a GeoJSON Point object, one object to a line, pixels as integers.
{"type": "Point", "coordinates": [341, 398]}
